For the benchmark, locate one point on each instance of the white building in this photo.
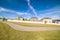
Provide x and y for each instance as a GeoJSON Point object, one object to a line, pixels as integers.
{"type": "Point", "coordinates": [46, 20]}
{"type": "Point", "coordinates": [34, 19]}
{"type": "Point", "coordinates": [19, 18]}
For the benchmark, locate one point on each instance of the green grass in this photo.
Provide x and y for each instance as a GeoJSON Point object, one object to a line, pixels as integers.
{"type": "Point", "coordinates": [8, 33]}
{"type": "Point", "coordinates": [35, 24]}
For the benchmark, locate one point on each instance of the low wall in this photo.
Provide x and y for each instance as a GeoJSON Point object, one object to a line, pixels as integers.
{"type": "Point", "coordinates": [31, 22]}
{"type": "Point", "coordinates": [23, 21]}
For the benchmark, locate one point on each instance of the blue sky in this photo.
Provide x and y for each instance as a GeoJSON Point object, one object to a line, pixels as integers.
{"type": "Point", "coordinates": [30, 8]}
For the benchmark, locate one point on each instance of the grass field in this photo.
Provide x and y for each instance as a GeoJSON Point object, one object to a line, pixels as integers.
{"type": "Point", "coordinates": [8, 33]}
{"type": "Point", "coordinates": [35, 24]}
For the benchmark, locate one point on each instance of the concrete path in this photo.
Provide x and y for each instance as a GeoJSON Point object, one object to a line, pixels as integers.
{"type": "Point", "coordinates": [22, 28]}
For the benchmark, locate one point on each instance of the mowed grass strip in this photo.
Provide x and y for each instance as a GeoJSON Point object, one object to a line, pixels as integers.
{"type": "Point", "coordinates": [35, 24]}
{"type": "Point", "coordinates": [8, 33]}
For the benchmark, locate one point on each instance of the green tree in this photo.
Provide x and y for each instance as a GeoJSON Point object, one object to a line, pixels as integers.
{"type": "Point", "coordinates": [4, 19]}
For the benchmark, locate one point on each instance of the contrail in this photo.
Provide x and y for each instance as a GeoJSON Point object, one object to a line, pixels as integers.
{"type": "Point", "coordinates": [33, 10]}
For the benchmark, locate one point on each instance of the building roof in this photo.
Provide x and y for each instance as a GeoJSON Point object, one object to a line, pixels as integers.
{"type": "Point", "coordinates": [46, 18]}
{"type": "Point", "coordinates": [34, 18]}
{"type": "Point", "coordinates": [57, 20]}
{"type": "Point", "coordinates": [0, 18]}
{"type": "Point", "coordinates": [19, 17]}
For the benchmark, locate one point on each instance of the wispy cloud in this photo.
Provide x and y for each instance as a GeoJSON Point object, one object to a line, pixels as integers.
{"type": "Point", "coordinates": [13, 12]}
{"type": "Point", "coordinates": [53, 13]}
{"type": "Point", "coordinates": [6, 10]}
{"type": "Point", "coordinates": [25, 14]}
{"type": "Point", "coordinates": [31, 7]}
{"type": "Point", "coordinates": [22, 13]}
{"type": "Point", "coordinates": [55, 17]}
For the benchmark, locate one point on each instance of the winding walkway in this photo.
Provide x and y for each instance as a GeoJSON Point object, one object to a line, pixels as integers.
{"type": "Point", "coordinates": [22, 28]}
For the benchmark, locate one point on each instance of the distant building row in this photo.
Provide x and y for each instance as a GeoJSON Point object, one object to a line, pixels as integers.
{"type": "Point", "coordinates": [35, 19]}
{"type": "Point", "coordinates": [45, 20]}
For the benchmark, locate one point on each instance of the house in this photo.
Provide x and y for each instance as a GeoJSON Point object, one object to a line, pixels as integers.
{"type": "Point", "coordinates": [19, 18]}
{"type": "Point", "coordinates": [0, 19]}
{"type": "Point", "coordinates": [33, 19]}
{"type": "Point", "coordinates": [56, 21]}
{"type": "Point", "coordinates": [46, 20]}
{"type": "Point", "coordinates": [26, 19]}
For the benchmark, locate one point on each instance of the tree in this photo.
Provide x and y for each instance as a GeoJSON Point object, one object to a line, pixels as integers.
{"type": "Point", "coordinates": [45, 22]}
{"type": "Point", "coordinates": [4, 19]}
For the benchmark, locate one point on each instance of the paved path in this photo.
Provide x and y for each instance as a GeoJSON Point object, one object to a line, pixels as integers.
{"type": "Point", "coordinates": [22, 28]}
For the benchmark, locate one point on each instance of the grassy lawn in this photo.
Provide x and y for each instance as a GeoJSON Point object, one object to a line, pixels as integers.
{"type": "Point", "coordinates": [35, 24]}
{"type": "Point", "coordinates": [8, 33]}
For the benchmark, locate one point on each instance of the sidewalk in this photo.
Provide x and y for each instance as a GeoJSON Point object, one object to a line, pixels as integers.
{"type": "Point", "coordinates": [22, 28]}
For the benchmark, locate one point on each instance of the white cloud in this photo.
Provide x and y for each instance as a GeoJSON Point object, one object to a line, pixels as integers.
{"type": "Point", "coordinates": [31, 7]}
{"type": "Point", "coordinates": [22, 13]}
{"type": "Point", "coordinates": [55, 17]}
{"type": "Point", "coordinates": [53, 12]}
{"type": "Point", "coordinates": [12, 11]}
{"type": "Point", "coordinates": [1, 9]}
{"type": "Point", "coordinates": [19, 13]}
{"type": "Point", "coordinates": [6, 10]}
